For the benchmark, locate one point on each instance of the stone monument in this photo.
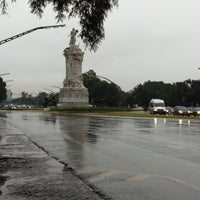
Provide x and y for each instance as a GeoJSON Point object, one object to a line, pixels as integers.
{"type": "Point", "coordinates": [73, 93]}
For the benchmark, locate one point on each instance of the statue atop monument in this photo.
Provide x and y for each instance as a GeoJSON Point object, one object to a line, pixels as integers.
{"type": "Point", "coordinates": [73, 37]}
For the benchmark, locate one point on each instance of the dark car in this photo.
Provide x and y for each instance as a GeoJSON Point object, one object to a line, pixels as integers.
{"type": "Point", "coordinates": [191, 110]}
{"type": "Point", "coordinates": [169, 110]}
{"type": "Point", "coordinates": [181, 110]}
{"type": "Point", "coordinates": [195, 111]}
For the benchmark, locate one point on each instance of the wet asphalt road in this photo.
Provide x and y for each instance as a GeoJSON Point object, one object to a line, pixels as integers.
{"type": "Point", "coordinates": [127, 158]}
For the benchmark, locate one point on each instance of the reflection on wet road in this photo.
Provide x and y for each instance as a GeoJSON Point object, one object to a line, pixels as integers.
{"type": "Point", "coordinates": [127, 158]}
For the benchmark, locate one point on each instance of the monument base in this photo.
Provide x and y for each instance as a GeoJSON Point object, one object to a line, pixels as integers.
{"type": "Point", "coordinates": [73, 97]}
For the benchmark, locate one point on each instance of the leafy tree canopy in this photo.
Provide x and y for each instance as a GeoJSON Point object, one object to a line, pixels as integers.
{"type": "Point", "coordinates": [102, 93]}
{"type": "Point", "coordinates": [91, 13]}
{"type": "Point", "coordinates": [184, 93]}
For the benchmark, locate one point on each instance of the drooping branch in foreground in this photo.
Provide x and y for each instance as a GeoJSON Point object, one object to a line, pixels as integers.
{"type": "Point", "coordinates": [92, 14]}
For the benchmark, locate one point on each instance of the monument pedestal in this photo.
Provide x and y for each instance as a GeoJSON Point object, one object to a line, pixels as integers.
{"type": "Point", "coordinates": [73, 93]}
{"type": "Point", "coordinates": [73, 97]}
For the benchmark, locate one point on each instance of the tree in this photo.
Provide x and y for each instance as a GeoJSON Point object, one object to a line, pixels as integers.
{"type": "Point", "coordinates": [143, 93]}
{"type": "Point", "coordinates": [52, 99]}
{"type": "Point", "coordinates": [91, 82]}
{"type": "Point", "coordinates": [91, 13]}
{"type": "Point", "coordinates": [184, 93]}
{"type": "Point", "coordinates": [181, 93]}
{"type": "Point", "coordinates": [3, 95]}
{"type": "Point", "coordinates": [102, 93]}
{"type": "Point", "coordinates": [41, 99]}
{"type": "Point", "coordinates": [24, 97]}
{"type": "Point", "coordinates": [194, 97]}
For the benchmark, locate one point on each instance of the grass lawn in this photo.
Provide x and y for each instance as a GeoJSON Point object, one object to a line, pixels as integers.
{"type": "Point", "coordinates": [116, 112]}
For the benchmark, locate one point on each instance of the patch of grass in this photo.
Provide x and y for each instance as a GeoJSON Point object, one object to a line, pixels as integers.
{"type": "Point", "coordinates": [115, 112]}
{"type": "Point", "coordinates": [86, 109]}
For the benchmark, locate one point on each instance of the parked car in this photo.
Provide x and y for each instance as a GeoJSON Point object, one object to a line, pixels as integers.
{"type": "Point", "coordinates": [169, 110]}
{"type": "Point", "coordinates": [191, 110]}
{"type": "Point", "coordinates": [195, 111]}
{"type": "Point", "coordinates": [181, 110]}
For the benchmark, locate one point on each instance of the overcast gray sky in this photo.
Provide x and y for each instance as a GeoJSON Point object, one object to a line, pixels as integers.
{"type": "Point", "coordinates": [145, 40]}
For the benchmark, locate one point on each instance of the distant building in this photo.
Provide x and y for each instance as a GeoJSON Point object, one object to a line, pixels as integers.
{"type": "Point", "coordinates": [9, 95]}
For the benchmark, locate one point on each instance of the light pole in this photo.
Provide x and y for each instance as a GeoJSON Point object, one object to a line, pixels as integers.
{"type": "Point", "coordinates": [49, 90]}
{"type": "Point", "coordinates": [109, 81]}
{"type": "Point", "coordinates": [4, 74]}
{"type": "Point", "coordinates": [8, 81]}
{"type": "Point", "coordinates": [29, 31]}
{"type": "Point", "coordinates": [56, 86]}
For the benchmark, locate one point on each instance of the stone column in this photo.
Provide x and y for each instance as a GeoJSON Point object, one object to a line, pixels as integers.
{"type": "Point", "coordinates": [73, 93]}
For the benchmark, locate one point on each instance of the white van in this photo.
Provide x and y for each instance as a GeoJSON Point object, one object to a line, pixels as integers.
{"type": "Point", "coordinates": [157, 106]}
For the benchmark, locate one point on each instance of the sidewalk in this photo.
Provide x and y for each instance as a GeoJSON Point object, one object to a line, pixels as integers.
{"type": "Point", "coordinates": [28, 173]}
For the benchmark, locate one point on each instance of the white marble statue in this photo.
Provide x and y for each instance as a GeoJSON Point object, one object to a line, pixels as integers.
{"type": "Point", "coordinates": [73, 93]}
{"type": "Point", "coordinates": [73, 37]}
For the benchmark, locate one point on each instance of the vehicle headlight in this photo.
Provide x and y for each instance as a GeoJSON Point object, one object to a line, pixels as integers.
{"type": "Point", "coordinates": [180, 111]}
{"type": "Point", "coordinates": [198, 112]}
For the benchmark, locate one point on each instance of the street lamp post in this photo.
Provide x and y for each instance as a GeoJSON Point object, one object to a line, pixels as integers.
{"type": "Point", "coordinates": [56, 86]}
{"type": "Point", "coordinates": [8, 81]}
{"type": "Point", "coordinates": [29, 31]}
{"type": "Point", "coordinates": [4, 74]}
{"type": "Point", "coordinates": [109, 81]}
{"type": "Point", "coordinates": [49, 90]}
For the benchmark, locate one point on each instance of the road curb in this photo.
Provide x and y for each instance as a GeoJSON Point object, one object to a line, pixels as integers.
{"type": "Point", "coordinates": [28, 172]}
